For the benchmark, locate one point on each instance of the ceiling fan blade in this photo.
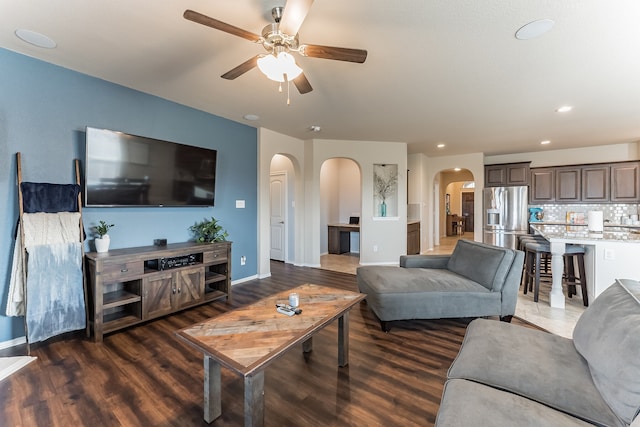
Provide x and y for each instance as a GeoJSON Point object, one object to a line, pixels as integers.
{"type": "Point", "coordinates": [219, 25]}
{"type": "Point", "coordinates": [302, 84]}
{"type": "Point", "coordinates": [336, 53]}
{"type": "Point", "coordinates": [241, 69]}
{"type": "Point", "coordinates": [294, 13]}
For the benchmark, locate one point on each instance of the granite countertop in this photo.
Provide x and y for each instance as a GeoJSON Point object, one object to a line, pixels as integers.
{"type": "Point", "coordinates": [580, 232]}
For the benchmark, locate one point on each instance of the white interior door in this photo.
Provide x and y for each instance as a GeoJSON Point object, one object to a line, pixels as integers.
{"type": "Point", "coordinates": [278, 201]}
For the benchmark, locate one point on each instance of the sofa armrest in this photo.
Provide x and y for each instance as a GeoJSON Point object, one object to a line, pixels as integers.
{"type": "Point", "coordinates": [424, 261]}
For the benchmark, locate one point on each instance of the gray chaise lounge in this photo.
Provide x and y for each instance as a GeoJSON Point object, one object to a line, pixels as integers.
{"type": "Point", "coordinates": [508, 375]}
{"type": "Point", "coordinates": [476, 280]}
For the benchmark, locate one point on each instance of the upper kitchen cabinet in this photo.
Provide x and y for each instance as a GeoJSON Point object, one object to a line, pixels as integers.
{"type": "Point", "coordinates": [543, 185]}
{"type": "Point", "coordinates": [625, 182]}
{"type": "Point", "coordinates": [595, 183]}
{"type": "Point", "coordinates": [508, 174]}
{"type": "Point", "coordinates": [568, 184]}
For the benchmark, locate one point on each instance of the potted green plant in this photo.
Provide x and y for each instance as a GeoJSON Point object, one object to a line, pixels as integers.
{"type": "Point", "coordinates": [102, 240]}
{"type": "Point", "coordinates": [208, 231]}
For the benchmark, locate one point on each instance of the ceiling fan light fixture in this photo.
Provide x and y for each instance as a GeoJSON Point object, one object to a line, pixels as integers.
{"type": "Point", "coordinates": [276, 67]}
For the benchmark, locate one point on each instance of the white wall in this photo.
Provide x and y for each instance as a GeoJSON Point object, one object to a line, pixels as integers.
{"type": "Point", "coordinates": [474, 163]}
{"type": "Point", "coordinates": [307, 158]}
{"type": "Point", "coordinates": [574, 156]}
{"type": "Point", "coordinates": [269, 144]}
{"type": "Point", "coordinates": [329, 200]}
{"type": "Point", "coordinates": [388, 235]}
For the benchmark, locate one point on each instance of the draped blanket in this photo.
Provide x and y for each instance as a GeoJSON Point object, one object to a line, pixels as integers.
{"type": "Point", "coordinates": [54, 290]}
{"type": "Point", "coordinates": [54, 279]}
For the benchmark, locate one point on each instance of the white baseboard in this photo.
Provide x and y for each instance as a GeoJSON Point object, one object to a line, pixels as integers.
{"type": "Point", "coordinates": [12, 343]}
{"type": "Point", "coordinates": [379, 263]}
{"type": "Point", "coordinates": [244, 279]}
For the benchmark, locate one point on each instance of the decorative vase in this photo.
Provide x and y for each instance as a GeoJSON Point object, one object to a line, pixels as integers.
{"type": "Point", "coordinates": [383, 209]}
{"type": "Point", "coordinates": [102, 243]}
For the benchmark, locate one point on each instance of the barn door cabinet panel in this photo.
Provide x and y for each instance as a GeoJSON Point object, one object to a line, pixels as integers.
{"type": "Point", "coordinates": [132, 285]}
{"type": "Point", "coordinates": [508, 174]}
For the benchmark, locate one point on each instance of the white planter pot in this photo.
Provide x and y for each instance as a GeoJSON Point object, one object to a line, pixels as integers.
{"type": "Point", "coordinates": [102, 244]}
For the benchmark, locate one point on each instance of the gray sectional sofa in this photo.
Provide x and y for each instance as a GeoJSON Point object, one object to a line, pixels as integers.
{"type": "Point", "coordinates": [476, 280]}
{"type": "Point", "coordinates": [508, 375]}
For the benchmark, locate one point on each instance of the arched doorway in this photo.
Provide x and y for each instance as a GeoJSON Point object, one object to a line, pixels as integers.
{"type": "Point", "coordinates": [340, 205]}
{"type": "Point", "coordinates": [454, 195]}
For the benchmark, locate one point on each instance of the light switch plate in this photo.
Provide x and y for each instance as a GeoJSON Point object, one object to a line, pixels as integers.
{"type": "Point", "coordinates": [240, 204]}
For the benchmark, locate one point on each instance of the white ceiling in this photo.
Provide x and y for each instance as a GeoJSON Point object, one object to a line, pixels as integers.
{"type": "Point", "coordinates": [447, 71]}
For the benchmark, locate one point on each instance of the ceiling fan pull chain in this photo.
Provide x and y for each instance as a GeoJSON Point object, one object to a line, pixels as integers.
{"type": "Point", "coordinates": [286, 79]}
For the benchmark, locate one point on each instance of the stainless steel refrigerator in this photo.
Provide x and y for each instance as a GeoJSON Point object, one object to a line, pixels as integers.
{"type": "Point", "coordinates": [505, 215]}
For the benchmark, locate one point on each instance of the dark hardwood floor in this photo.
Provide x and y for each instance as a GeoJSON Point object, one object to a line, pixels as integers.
{"type": "Point", "coordinates": [144, 376]}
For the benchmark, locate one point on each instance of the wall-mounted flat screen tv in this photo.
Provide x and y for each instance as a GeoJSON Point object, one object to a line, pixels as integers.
{"type": "Point", "coordinates": [129, 170]}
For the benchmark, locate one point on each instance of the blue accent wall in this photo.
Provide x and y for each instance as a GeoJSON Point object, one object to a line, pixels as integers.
{"type": "Point", "coordinates": [44, 110]}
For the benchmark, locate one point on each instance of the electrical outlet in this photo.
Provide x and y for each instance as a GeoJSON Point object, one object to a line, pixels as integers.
{"type": "Point", "coordinates": [609, 254]}
{"type": "Point", "coordinates": [243, 260]}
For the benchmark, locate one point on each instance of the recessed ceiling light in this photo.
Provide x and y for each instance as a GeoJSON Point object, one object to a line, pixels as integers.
{"type": "Point", "coordinates": [440, 145]}
{"type": "Point", "coordinates": [35, 38]}
{"type": "Point", "coordinates": [251, 117]}
{"type": "Point", "coordinates": [545, 142]}
{"type": "Point", "coordinates": [564, 109]}
{"type": "Point", "coordinates": [534, 29]}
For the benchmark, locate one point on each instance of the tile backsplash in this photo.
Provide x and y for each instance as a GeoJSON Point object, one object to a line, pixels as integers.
{"type": "Point", "coordinates": [610, 211]}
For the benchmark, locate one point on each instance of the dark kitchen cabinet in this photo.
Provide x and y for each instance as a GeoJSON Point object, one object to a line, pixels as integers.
{"type": "Point", "coordinates": [509, 174]}
{"type": "Point", "coordinates": [413, 238]}
{"type": "Point", "coordinates": [595, 183]}
{"type": "Point", "coordinates": [543, 184]}
{"type": "Point", "coordinates": [568, 184]}
{"type": "Point", "coordinates": [625, 182]}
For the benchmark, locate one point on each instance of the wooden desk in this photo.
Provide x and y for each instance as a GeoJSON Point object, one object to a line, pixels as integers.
{"type": "Point", "coordinates": [340, 236]}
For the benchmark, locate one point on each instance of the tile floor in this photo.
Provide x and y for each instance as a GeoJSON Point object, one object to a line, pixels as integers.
{"type": "Point", "coordinates": [556, 320]}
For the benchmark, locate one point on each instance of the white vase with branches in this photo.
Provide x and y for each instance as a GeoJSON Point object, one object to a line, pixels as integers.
{"type": "Point", "coordinates": [385, 180]}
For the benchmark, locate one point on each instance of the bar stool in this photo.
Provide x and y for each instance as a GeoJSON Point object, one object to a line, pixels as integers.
{"type": "Point", "coordinates": [534, 251]}
{"type": "Point", "coordinates": [523, 239]}
{"type": "Point", "coordinates": [575, 253]}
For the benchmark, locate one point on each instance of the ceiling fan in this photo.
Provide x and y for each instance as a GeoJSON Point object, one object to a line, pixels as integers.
{"type": "Point", "coordinates": [279, 39]}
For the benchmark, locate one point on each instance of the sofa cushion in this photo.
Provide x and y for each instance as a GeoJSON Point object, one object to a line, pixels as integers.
{"type": "Point", "coordinates": [395, 293]}
{"type": "Point", "coordinates": [607, 335]}
{"type": "Point", "coordinates": [488, 265]}
{"type": "Point", "coordinates": [534, 364]}
{"type": "Point", "coordinates": [469, 404]}
{"type": "Point", "coordinates": [389, 280]}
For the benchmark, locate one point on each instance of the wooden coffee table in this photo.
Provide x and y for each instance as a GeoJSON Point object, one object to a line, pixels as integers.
{"type": "Point", "coordinates": [246, 340]}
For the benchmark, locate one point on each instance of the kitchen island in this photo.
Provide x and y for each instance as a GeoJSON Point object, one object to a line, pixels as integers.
{"type": "Point", "coordinates": [609, 255]}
